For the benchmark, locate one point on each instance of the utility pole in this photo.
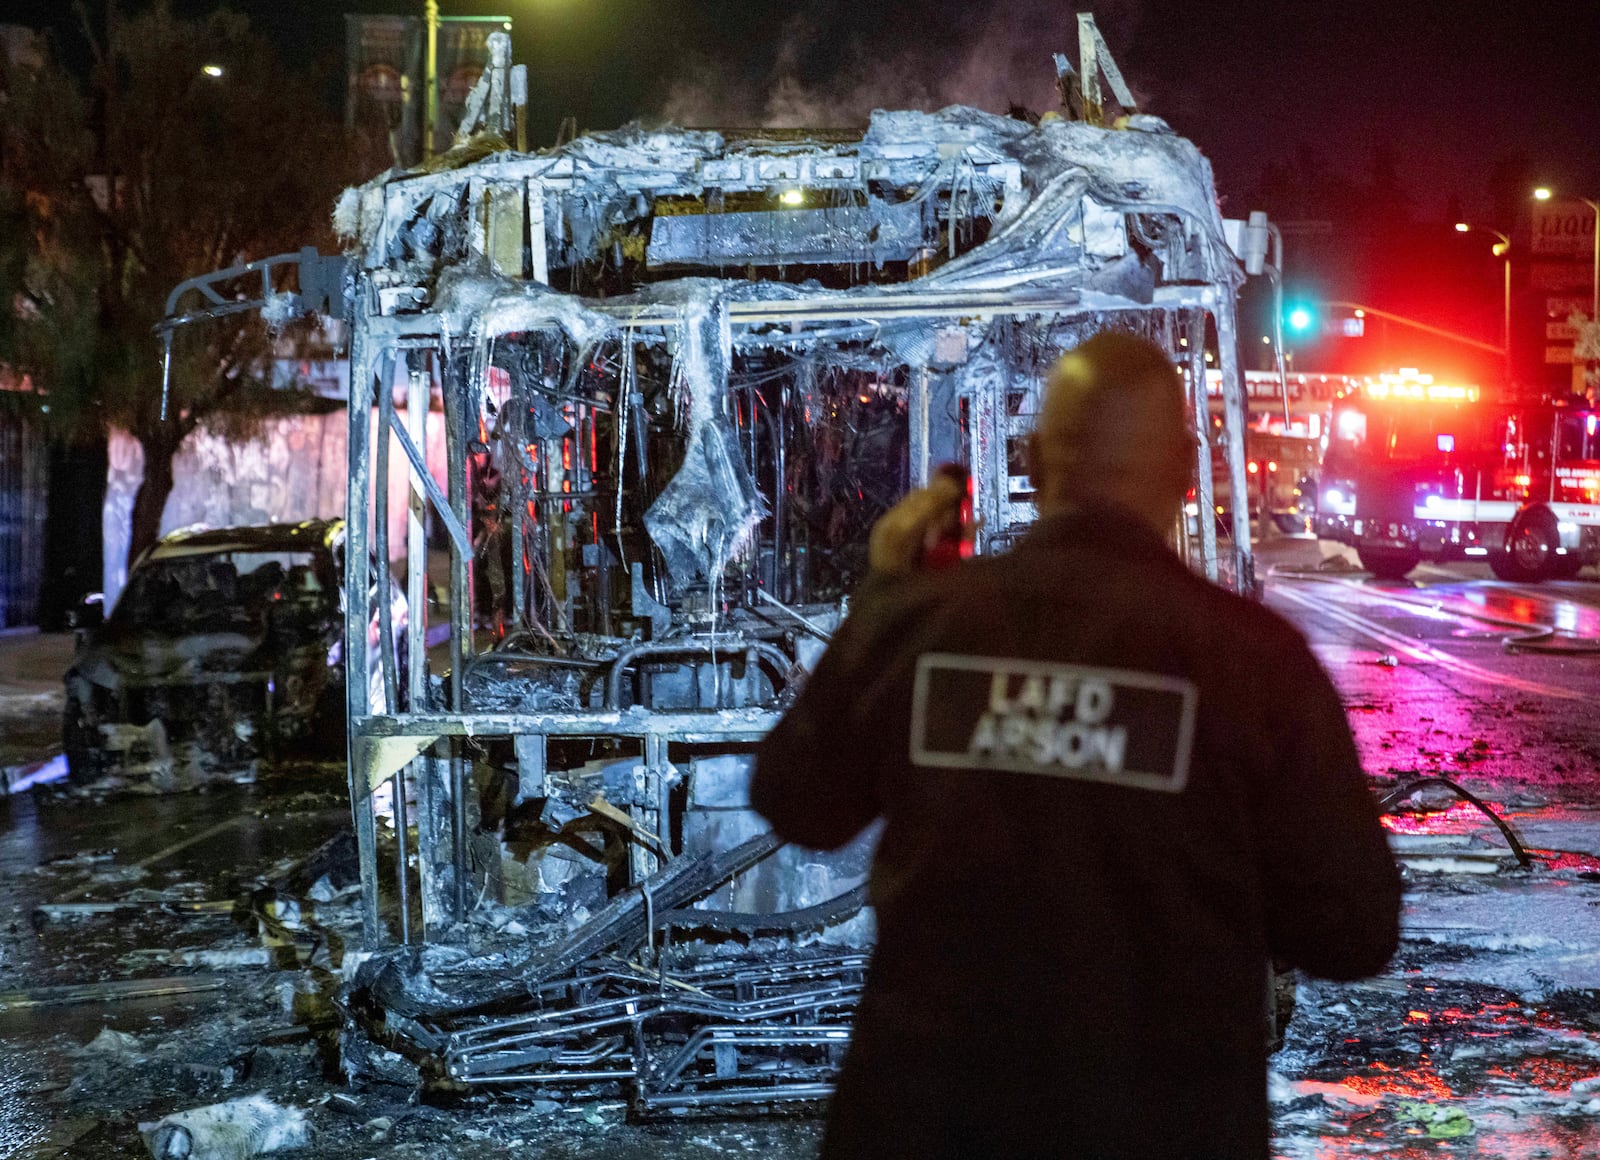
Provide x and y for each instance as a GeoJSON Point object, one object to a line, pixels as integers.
{"type": "Point", "coordinates": [430, 75]}
{"type": "Point", "coordinates": [1594, 307]}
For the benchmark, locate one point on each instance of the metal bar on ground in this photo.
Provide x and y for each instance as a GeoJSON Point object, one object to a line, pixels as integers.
{"type": "Point", "coordinates": [680, 724]}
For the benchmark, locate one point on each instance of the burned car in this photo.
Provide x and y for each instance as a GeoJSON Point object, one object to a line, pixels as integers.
{"type": "Point", "coordinates": [224, 648]}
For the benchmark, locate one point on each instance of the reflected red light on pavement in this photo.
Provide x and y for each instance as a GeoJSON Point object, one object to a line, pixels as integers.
{"type": "Point", "coordinates": [1495, 1012]}
{"type": "Point", "coordinates": [1460, 817]}
{"type": "Point", "coordinates": [1421, 1080]}
{"type": "Point", "coordinates": [1553, 1075]}
{"type": "Point", "coordinates": [1567, 860]}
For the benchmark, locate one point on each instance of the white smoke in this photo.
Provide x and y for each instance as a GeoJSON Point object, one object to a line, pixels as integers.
{"type": "Point", "coordinates": [1002, 56]}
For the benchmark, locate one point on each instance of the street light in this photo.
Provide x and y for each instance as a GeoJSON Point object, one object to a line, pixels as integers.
{"type": "Point", "coordinates": [1502, 249]}
{"type": "Point", "coordinates": [212, 70]}
{"type": "Point", "coordinates": [1543, 193]}
{"type": "Point", "coordinates": [430, 75]}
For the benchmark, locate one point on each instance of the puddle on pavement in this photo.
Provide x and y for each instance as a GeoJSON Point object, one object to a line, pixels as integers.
{"type": "Point", "coordinates": [1453, 1068]}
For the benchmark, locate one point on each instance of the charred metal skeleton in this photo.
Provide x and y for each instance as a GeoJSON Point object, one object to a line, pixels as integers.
{"type": "Point", "coordinates": [680, 373]}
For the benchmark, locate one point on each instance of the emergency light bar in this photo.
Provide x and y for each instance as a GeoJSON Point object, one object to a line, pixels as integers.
{"type": "Point", "coordinates": [1410, 383]}
{"type": "Point", "coordinates": [1431, 392]}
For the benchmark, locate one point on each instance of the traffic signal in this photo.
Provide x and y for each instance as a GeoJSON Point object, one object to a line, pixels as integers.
{"type": "Point", "coordinates": [1299, 319]}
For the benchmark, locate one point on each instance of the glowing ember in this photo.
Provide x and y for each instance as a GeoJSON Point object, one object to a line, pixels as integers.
{"type": "Point", "coordinates": [1554, 1075]}
{"type": "Point", "coordinates": [1421, 1080]}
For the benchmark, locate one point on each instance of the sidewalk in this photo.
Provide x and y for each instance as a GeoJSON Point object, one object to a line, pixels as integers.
{"type": "Point", "coordinates": [32, 662]}
{"type": "Point", "coordinates": [31, 695]}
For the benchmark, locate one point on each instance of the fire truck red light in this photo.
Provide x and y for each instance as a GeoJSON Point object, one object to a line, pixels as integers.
{"type": "Point", "coordinates": [1254, 467]}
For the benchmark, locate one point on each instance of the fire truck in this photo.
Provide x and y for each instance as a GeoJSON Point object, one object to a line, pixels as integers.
{"type": "Point", "coordinates": [1416, 470]}
{"type": "Point", "coordinates": [1283, 449]}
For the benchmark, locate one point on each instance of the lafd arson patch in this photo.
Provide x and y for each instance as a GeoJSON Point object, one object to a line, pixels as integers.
{"type": "Point", "coordinates": [1107, 725]}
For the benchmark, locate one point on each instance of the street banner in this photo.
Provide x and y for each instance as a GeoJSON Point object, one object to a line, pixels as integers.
{"type": "Point", "coordinates": [385, 65]}
{"type": "Point", "coordinates": [463, 55]}
{"type": "Point", "coordinates": [383, 79]}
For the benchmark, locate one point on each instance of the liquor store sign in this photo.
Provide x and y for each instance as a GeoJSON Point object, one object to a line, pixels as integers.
{"type": "Point", "coordinates": [1563, 229]}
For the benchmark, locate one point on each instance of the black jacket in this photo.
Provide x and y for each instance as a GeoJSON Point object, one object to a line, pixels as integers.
{"type": "Point", "coordinates": [1111, 792]}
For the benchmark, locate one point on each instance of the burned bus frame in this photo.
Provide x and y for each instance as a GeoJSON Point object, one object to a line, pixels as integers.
{"type": "Point", "coordinates": [962, 250]}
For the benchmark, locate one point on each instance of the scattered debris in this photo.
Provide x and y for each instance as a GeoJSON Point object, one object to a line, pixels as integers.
{"type": "Point", "coordinates": [21, 778]}
{"type": "Point", "coordinates": [236, 1130]}
{"type": "Point", "coordinates": [110, 1042]}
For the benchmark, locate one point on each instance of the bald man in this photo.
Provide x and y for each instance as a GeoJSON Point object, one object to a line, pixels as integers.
{"type": "Point", "coordinates": [1111, 793]}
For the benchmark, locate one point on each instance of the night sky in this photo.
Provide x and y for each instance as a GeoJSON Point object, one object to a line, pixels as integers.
{"type": "Point", "coordinates": [1448, 89]}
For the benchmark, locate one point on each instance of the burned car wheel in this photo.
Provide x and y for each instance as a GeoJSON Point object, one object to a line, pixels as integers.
{"type": "Point", "coordinates": [81, 744]}
{"type": "Point", "coordinates": [329, 736]}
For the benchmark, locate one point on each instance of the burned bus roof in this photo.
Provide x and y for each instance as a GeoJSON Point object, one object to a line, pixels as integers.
{"type": "Point", "coordinates": [958, 200]}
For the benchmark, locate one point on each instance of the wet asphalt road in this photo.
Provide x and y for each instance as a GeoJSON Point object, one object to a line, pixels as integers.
{"type": "Point", "coordinates": [1483, 1039]}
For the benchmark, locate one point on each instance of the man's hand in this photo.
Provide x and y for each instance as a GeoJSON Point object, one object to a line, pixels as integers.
{"type": "Point", "coordinates": [905, 531]}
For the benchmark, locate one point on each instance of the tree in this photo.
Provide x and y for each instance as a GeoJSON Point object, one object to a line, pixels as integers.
{"type": "Point", "coordinates": [192, 149]}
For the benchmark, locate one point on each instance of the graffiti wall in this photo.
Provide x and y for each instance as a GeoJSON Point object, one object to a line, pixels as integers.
{"type": "Point", "coordinates": [294, 470]}
{"type": "Point", "coordinates": [23, 496]}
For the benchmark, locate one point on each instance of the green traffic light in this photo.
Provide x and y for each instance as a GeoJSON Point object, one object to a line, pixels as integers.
{"type": "Point", "coordinates": [1300, 319]}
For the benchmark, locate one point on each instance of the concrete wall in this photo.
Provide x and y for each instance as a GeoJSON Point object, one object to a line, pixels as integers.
{"type": "Point", "coordinates": [295, 470]}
